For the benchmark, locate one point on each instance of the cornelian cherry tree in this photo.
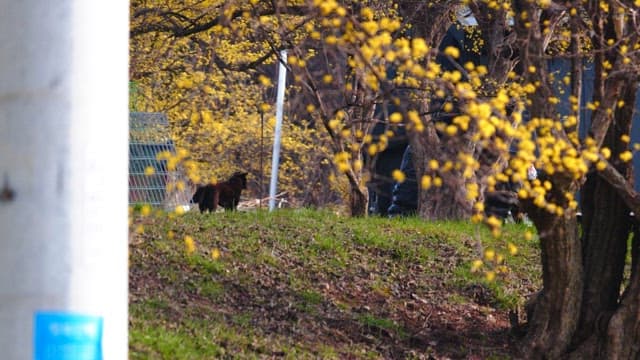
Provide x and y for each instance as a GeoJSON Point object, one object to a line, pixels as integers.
{"type": "Point", "coordinates": [210, 68]}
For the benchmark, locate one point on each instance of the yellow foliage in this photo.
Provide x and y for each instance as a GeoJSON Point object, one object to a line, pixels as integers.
{"type": "Point", "coordinates": [220, 117]}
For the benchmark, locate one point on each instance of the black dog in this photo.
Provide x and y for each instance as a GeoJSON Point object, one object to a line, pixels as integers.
{"type": "Point", "coordinates": [225, 194]}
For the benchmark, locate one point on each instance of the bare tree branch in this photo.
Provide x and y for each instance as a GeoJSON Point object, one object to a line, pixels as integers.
{"type": "Point", "coordinates": [189, 26]}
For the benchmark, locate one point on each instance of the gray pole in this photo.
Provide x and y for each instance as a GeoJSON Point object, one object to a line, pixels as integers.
{"type": "Point", "coordinates": [63, 179]}
{"type": "Point", "coordinates": [275, 161]}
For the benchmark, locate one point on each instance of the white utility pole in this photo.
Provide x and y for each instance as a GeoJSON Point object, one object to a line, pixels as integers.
{"type": "Point", "coordinates": [63, 179]}
{"type": "Point", "coordinates": [275, 160]}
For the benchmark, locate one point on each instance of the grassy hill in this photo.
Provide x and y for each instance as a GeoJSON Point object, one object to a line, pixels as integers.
{"type": "Point", "coordinates": [305, 284]}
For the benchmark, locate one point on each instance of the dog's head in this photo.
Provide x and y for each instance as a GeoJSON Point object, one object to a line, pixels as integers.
{"type": "Point", "coordinates": [242, 176]}
{"type": "Point", "coordinates": [197, 196]}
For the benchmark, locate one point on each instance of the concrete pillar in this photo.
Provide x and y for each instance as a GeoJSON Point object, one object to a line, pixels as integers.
{"type": "Point", "coordinates": [63, 179]}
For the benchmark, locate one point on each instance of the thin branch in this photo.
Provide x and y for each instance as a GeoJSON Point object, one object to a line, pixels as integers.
{"type": "Point", "coordinates": [194, 26]}
{"type": "Point", "coordinates": [627, 193]}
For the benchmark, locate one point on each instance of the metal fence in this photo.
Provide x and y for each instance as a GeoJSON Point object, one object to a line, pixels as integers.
{"type": "Point", "coordinates": [150, 180]}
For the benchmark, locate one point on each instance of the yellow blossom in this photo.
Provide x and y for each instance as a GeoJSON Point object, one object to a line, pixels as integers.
{"type": "Point", "coordinates": [372, 149]}
{"type": "Point", "coordinates": [190, 244]}
{"type": "Point", "coordinates": [398, 175]}
{"type": "Point", "coordinates": [489, 254]}
{"type": "Point", "coordinates": [145, 210]}
{"type": "Point", "coordinates": [357, 165]}
{"type": "Point", "coordinates": [493, 221]}
{"type": "Point", "coordinates": [264, 80]}
{"type": "Point", "coordinates": [626, 156]}
{"type": "Point", "coordinates": [419, 48]}
{"type": "Point", "coordinates": [366, 13]}
{"type": "Point", "coordinates": [452, 51]}
{"type": "Point", "coordinates": [472, 191]}
{"type": "Point", "coordinates": [395, 117]}
{"type": "Point", "coordinates": [425, 183]}
{"type": "Point", "coordinates": [476, 265]}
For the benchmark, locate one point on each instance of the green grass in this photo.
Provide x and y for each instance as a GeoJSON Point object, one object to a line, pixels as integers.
{"type": "Point", "coordinates": [377, 324]}
{"type": "Point", "coordinates": [307, 284]}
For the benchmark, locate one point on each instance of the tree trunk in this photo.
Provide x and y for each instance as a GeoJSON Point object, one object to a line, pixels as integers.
{"type": "Point", "coordinates": [446, 202]}
{"type": "Point", "coordinates": [556, 308]}
{"type": "Point", "coordinates": [623, 333]}
{"type": "Point", "coordinates": [596, 323]}
{"type": "Point", "coordinates": [616, 335]}
{"type": "Point", "coordinates": [622, 340]}
{"type": "Point", "coordinates": [606, 228]}
{"type": "Point", "coordinates": [359, 201]}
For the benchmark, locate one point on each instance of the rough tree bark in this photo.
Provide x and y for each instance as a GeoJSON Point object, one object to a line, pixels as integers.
{"type": "Point", "coordinates": [359, 201]}
{"type": "Point", "coordinates": [580, 312]}
{"type": "Point", "coordinates": [445, 202]}
{"type": "Point", "coordinates": [623, 335]}
{"type": "Point", "coordinates": [556, 308]}
{"type": "Point", "coordinates": [554, 318]}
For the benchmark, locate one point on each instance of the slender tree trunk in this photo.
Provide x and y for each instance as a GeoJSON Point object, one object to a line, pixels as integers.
{"type": "Point", "coordinates": [445, 202]}
{"type": "Point", "coordinates": [431, 23]}
{"type": "Point", "coordinates": [359, 201]}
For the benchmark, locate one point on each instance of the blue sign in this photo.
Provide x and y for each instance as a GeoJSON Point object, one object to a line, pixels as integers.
{"type": "Point", "coordinates": [67, 336]}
